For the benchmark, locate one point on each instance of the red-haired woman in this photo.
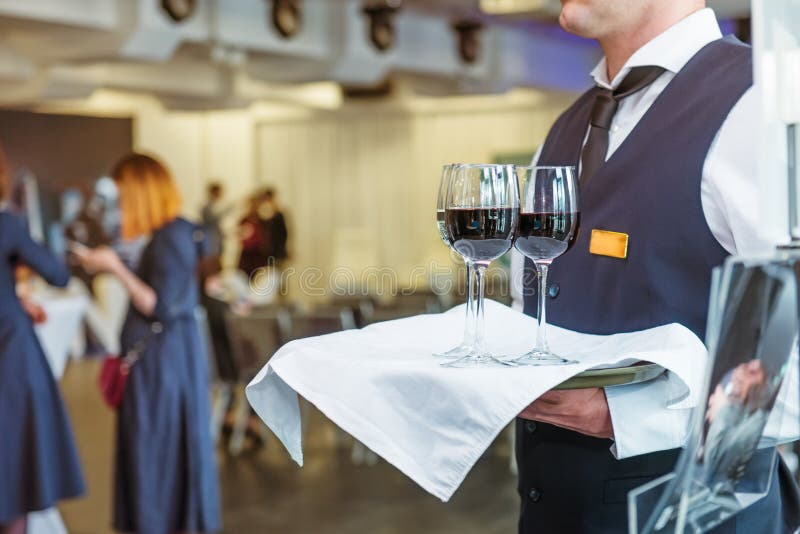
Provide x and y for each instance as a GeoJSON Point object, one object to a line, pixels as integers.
{"type": "Point", "coordinates": [165, 477]}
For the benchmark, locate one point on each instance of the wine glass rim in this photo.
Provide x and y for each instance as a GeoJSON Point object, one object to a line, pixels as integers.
{"type": "Point", "coordinates": [546, 167]}
{"type": "Point", "coordinates": [510, 206]}
{"type": "Point", "coordinates": [485, 165]}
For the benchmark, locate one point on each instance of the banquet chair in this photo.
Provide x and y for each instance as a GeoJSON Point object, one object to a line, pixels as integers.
{"type": "Point", "coordinates": [425, 301]}
{"type": "Point", "coordinates": [418, 302]}
{"type": "Point", "coordinates": [399, 307]}
{"type": "Point", "coordinates": [315, 321]}
{"type": "Point", "coordinates": [377, 315]}
{"type": "Point", "coordinates": [356, 303]}
{"type": "Point", "coordinates": [254, 338]}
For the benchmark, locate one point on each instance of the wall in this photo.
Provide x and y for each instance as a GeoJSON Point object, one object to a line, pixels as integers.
{"type": "Point", "coordinates": [358, 183]}
{"type": "Point", "coordinates": [48, 146]}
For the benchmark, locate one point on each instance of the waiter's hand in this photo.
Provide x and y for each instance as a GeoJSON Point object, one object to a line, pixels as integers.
{"type": "Point", "coordinates": [582, 410]}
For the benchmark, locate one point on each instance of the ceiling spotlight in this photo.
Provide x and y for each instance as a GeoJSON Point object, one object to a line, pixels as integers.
{"type": "Point", "coordinates": [469, 43]}
{"type": "Point", "coordinates": [381, 23]}
{"type": "Point", "coordinates": [179, 10]}
{"type": "Point", "coordinates": [287, 17]}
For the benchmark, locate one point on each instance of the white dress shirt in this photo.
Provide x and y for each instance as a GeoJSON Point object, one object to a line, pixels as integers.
{"type": "Point", "coordinates": [640, 416]}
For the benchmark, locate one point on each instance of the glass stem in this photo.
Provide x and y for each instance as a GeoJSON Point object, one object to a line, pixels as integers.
{"type": "Point", "coordinates": [469, 322]}
{"type": "Point", "coordinates": [479, 345]}
{"type": "Point", "coordinates": [541, 331]}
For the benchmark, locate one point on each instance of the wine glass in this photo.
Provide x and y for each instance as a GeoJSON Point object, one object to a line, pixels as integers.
{"type": "Point", "coordinates": [549, 220]}
{"type": "Point", "coordinates": [469, 334]}
{"type": "Point", "coordinates": [481, 213]}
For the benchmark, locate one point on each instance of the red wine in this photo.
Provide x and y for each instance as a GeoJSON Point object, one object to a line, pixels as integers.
{"type": "Point", "coordinates": [544, 236]}
{"type": "Point", "coordinates": [481, 234]}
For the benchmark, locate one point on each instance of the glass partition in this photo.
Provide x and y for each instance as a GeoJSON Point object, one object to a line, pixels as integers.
{"type": "Point", "coordinates": [729, 460]}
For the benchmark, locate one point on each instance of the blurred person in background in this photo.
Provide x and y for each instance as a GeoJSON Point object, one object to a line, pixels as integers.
{"type": "Point", "coordinates": [84, 227]}
{"type": "Point", "coordinates": [165, 479]}
{"type": "Point", "coordinates": [251, 239]}
{"type": "Point", "coordinates": [212, 214]}
{"type": "Point", "coordinates": [217, 305]}
{"type": "Point", "coordinates": [39, 464]}
{"type": "Point", "coordinates": [274, 231]}
{"type": "Point", "coordinates": [223, 293]}
{"type": "Point", "coordinates": [263, 234]}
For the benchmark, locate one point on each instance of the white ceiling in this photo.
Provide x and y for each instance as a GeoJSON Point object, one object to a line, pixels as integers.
{"type": "Point", "coordinates": [228, 54]}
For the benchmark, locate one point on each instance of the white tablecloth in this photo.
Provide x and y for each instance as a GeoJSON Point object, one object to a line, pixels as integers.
{"type": "Point", "coordinates": [65, 311]}
{"type": "Point", "coordinates": [46, 522]}
{"type": "Point", "coordinates": [382, 385]}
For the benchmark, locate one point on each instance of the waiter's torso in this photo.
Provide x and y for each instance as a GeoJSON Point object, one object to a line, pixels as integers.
{"type": "Point", "coordinates": [648, 189]}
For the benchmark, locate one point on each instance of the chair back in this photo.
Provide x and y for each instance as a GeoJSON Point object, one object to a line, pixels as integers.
{"type": "Point", "coordinates": [254, 338]}
{"type": "Point", "coordinates": [316, 321]}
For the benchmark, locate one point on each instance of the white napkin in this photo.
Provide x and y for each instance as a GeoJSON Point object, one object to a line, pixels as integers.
{"type": "Point", "coordinates": [382, 385]}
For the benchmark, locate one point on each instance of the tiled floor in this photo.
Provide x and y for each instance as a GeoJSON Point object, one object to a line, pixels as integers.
{"type": "Point", "coordinates": [264, 492]}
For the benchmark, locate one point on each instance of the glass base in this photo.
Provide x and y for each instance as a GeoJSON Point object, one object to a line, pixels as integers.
{"type": "Point", "coordinates": [541, 357]}
{"type": "Point", "coordinates": [476, 359]}
{"type": "Point", "coordinates": [455, 352]}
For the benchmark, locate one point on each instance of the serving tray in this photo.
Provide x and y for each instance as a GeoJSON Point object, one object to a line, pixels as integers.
{"type": "Point", "coordinates": [617, 376]}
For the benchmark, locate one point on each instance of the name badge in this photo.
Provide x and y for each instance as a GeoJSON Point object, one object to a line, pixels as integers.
{"type": "Point", "coordinates": [606, 243]}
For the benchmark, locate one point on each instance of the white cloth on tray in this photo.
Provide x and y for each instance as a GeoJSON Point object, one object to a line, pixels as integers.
{"type": "Point", "coordinates": [382, 385]}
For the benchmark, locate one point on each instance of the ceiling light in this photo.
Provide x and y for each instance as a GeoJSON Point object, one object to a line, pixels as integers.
{"type": "Point", "coordinates": [469, 44]}
{"type": "Point", "coordinates": [179, 10]}
{"type": "Point", "coordinates": [287, 17]}
{"type": "Point", "coordinates": [381, 23]}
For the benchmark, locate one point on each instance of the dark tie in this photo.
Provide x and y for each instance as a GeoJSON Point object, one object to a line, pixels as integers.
{"type": "Point", "coordinates": [605, 105]}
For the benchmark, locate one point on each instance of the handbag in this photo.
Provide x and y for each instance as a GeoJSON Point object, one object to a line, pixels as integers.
{"type": "Point", "coordinates": [115, 370]}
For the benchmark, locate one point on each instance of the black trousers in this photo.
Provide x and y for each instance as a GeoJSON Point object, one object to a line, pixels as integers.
{"type": "Point", "coordinates": [572, 484]}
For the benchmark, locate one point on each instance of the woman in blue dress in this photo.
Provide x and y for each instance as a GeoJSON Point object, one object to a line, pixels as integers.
{"type": "Point", "coordinates": [165, 476]}
{"type": "Point", "coordinates": [38, 462]}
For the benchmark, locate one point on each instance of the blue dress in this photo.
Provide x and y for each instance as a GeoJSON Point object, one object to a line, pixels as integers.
{"type": "Point", "coordinates": [166, 479]}
{"type": "Point", "coordinates": [38, 462]}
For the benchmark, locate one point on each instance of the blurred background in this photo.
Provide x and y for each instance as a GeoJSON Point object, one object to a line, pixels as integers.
{"type": "Point", "coordinates": [318, 127]}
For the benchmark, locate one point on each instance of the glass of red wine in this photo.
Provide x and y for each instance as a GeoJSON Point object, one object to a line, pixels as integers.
{"type": "Point", "coordinates": [549, 220]}
{"type": "Point", "coordinates": [481, 212]}
{"type": "Point", "coordinates": [469, 324]}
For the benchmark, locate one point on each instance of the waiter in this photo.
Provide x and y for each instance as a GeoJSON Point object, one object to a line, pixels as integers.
{"type": "Point", "coordinates": [664, 147]}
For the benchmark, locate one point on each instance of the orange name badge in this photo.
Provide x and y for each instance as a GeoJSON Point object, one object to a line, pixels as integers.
{"type": "Point", "coordinates": [606, 243]}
